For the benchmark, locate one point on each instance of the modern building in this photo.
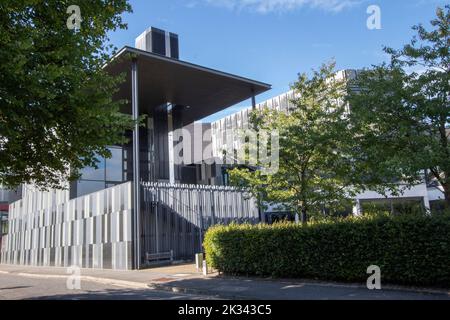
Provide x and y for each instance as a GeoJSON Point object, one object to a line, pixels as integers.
{"type": "Point", "coordinates": [241, 121]}
{"type": "Point", "coordinates": [141, 205]}
{"type": "Point", "coordinates": [428, 194]}
{"type": "Point", "coordinates": [6, 198]}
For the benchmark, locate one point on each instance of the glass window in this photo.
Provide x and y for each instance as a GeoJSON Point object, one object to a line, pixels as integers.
{"type": "Point", "coordinates": [90, 173]}
{"type": "Point", "coordinates": [114, 166]}
{"type": "Point", "coordinates": [110, 185]}
{"type": "Point", "coordinates": [86, 187]}
{"type": "Point", "coordinates": [3, 223]}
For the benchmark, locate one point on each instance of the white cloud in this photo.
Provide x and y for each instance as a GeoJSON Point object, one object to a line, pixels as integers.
{"type": "Point", "coordinates": [268, 6]}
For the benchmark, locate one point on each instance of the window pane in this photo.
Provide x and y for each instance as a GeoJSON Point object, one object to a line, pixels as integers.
{"type": "Point", "coordinates": [87, 187]}
{"type": "Point", "coordinates": [90, 173]}
{"type": "Point", "coordinates": [114, 166]}
{"type": "Point", "coordinates": [3, 223]}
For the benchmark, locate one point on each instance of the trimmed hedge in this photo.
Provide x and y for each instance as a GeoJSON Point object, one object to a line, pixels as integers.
{"type": "Point", "coordinates": [410, 250]}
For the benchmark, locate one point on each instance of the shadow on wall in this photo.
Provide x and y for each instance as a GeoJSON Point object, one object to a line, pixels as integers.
{"type": "Point", "coordinates": [164, 229]}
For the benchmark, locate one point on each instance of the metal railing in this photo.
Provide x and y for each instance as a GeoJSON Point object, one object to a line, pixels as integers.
{"type": "Point", "coordinates": [175, 217]}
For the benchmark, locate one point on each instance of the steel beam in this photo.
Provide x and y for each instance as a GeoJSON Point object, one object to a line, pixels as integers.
{"type": "Point", "coordinates": [136, 167]}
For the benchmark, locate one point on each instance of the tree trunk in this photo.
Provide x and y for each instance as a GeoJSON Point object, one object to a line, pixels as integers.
{"type": "Point", "coordinates": [304, 216]}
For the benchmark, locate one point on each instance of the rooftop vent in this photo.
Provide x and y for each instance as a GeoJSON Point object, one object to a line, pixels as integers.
{"type": "Point", "coordinates": [159, 41]}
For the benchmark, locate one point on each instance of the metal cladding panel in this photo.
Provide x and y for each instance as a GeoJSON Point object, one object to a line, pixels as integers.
{"type": "Point", "coordinates": [158, 41]}
{"type": "Point", "coordinates": [176, 217]}
{"type": "Point", "coordinates": [48, 229]}
{"type": "Point", "coordinates": [222, 130]}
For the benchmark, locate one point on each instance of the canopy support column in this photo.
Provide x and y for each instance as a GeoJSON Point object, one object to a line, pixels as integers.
{"type": "Point", "coordinates": [136, 168]}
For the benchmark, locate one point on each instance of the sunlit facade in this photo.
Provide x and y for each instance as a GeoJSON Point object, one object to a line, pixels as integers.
{"type": "Point", "coordinates": [140, 204]}
{"type": "Point", "coordinates": [426, 195]}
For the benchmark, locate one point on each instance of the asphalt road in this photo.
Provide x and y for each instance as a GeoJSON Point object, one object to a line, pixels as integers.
{"type": "Point", "coordinates": [16, 284]}
{"type": "Point", "coordinates": [14, 287]}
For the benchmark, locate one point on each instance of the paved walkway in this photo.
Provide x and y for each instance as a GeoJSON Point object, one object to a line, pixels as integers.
{"type": "Point", "coordinates": [14, 287]}
{"type": "Point", "coordinates": [185, 279]}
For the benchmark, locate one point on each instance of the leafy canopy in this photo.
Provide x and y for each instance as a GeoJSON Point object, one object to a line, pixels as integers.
{"type": "Point", "coordinates": [56, 108]}
{"type": "Point", "coordinates": [400, 114]}
{"type": "Point", "coordinates": [314, 170]}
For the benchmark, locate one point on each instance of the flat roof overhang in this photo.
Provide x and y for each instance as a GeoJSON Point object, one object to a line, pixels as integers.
{"type": "Point", "coordinates": [161, 80]}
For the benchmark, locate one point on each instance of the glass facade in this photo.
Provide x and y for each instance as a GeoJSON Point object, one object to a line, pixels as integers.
{"type": "Point", "coordinates": [3, 226]}
{"type": "Point", "coordinates": [3, 223]}
{"type": "Point", "coordinates": [6, 197]}
{"type": "Point", "coordinates": [109, 172]}
{"type": "Point", "coordinates": [153, 156]}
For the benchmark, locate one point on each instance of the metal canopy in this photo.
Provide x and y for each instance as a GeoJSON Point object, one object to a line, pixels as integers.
{"type": "Point", "coordinates": [202, 90]}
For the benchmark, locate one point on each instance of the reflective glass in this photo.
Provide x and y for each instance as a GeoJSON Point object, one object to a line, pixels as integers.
{"type": "Point", "coordinates": [114, 166]}
{"type": "Point", "coordinates": [90, 173]}
{"type": "Point", "coordinates": [86, 187]}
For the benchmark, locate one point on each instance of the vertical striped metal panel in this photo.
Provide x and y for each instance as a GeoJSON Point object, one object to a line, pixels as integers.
{"type": "Point", "coordinates": [175, 217]}
{"type": "Point", "coordinates": [48, 229]}
{"type": "Point", "coordinates": [222, 130]}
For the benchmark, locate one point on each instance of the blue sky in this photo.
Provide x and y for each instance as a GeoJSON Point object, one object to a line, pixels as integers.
{"type": "Point", "coordinates": [273, 40]}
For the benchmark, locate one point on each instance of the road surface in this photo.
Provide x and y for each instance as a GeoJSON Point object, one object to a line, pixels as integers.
{"type": "Point", "coordinates": [14, 287]}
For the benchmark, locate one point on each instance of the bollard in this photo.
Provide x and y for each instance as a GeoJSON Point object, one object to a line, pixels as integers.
{"type": "Point", "coordinates": [199, 261]}
{"type": "Point", "coordinates": [205, 268]}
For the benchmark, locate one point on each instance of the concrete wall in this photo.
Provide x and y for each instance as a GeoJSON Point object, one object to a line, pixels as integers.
{"type": "Point", "coordinates": [417, 191]}
{"type": "Point", "coordinates": [93, 231]}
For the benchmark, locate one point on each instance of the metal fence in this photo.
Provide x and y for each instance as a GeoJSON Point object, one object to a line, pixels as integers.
{"type": "Point", "coordinates": [175, 217]}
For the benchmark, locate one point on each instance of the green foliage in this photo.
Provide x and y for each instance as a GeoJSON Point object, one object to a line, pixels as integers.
{"type": "Point", "coordinates": [314, 171]}
{"type": "Point", "coordinates": [396, 207]}
{"type": "Point", "coordinates": [410, 250]}
{"type": "Point", "coordinates": [400, 114]}
{"type": "Point", "coordinates": [57, 111]}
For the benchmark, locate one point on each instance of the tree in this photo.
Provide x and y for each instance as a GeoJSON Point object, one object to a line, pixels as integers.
{"type": "Point", "coordinates": [400, 112]}
{"type": "Point", "coordinates": [57, 114]}
{"type": "Point", "coordinates": [313, 170]}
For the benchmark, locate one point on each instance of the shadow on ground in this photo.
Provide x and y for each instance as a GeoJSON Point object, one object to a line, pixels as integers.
{"type": "Point", "coordinates": [244, 288]}
{"type": "Point", "coordinates": [120, 294]}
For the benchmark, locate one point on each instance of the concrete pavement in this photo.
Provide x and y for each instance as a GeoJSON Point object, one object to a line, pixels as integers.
{"type": "Point", "coordinates": [185, 280]}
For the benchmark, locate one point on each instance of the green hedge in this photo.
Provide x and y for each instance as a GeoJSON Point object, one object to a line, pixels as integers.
{"type": "Point", "coordinates": [412, 250]}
